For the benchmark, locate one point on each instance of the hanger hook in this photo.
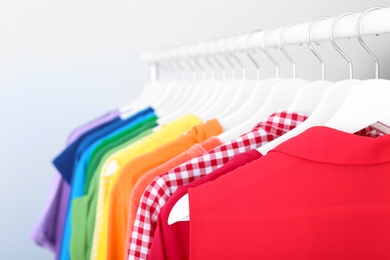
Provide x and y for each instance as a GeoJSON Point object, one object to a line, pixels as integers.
{"type": "Point", "coordinates": [233, 54]}
{"type": "Point", "coordinates": [359, 35]}
{"type": "Point", "coordinates": [161, 70]}
{"type": "Point", "coordinates": [167, 64]}
{"type": "Point", "coordinates": [196, 62]}
{"type": "Point", "coordinates": [206, 58]}
{"type": "Point", "coordinates": [162, 63]}
{"type": "Point", "coordinates": [161, 66]}
{"type": "Point", "coordinates": [176, 62]}
{"type": "Point", "coordinates": [213, 74]}
{"type": "Point", "coordinates": [248, 50]}
{"type": "Point", "coordinates": [214, 55]}
{"type": "Point", "coordinates": [226, 56]}
{"type": "Point", "coordinates": [267, 53]}
{"type": "Point", "coordinates": [336, 46]}
{"type": "Point", "coordinates": [284, 51]}
{"type": "Point", "coordinates": [308, 38]}
{"type": "Point", "coordinates": [171, 68]}
{"type": "Point", "coordinates": [188, 63]}
{"type": "Point", "coordinates": [169, 61]}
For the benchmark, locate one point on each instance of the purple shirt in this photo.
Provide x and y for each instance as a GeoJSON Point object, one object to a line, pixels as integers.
{"type": "Point", "coordinates": [48, 229]}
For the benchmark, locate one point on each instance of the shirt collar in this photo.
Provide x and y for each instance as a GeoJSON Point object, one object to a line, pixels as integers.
{"type": "Point", "coordinates": [282, 121]}
{"type": "Point", "coordinates": [324, 144]}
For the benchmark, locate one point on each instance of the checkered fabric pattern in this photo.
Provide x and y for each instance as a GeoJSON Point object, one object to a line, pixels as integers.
{"type": "Point", "coordinates": [369, 132]}
{"type": "Point", "coordinates": [163, 186]}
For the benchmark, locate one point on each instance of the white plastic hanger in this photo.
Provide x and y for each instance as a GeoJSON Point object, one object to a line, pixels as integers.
{"type": "Point", "coordinates": [366, 103]}
{"type": "Point", "coordinates": [141, 98]}
{"type": "Point", "coordinates": [194, 91]}
{"type": "Point", "coordinates": [155, 93]}
{"type": "Point", "coordinates": [329, 102]}
{"type": "Point", "coordinates": [309, 95]}
{"type": "Point", "coordinates": [262, 90]}
{"type": "Point", "coordinates": [229, 89]}
{"type": "Point", "coordinates": [262, 87]}
{"type": "Point", "coordinates": [144, 99]}
{"type": "Point", "coordinates": [280, 97]}
{"type": "Point", "coordinates": [180, 211]}
{"type": "Point", "coordinates": [180, 89]}
{"type": "Point", "coordinates": [235, 92]}
{"type": "Point", "coordinates": [241, 92]}
{"type": "Point", "coordinates": [146, 91]}
{"type": "Point", "coordinates": [217, 86]}
{"type": "Point", "coordinates": [201, 94]}
{"type": "Point", "coordinates": [202, 85]}
{"type": "Point", "coordinates": [251, 94]}
{"type": "Point", "coordinates": [165, 94]}
{"type": "Point", "coordinates": [186, 87]}
{"type": "Point", "coordinates": [182, 103]}
{"type": "Point", "coordinates": [213, 86]}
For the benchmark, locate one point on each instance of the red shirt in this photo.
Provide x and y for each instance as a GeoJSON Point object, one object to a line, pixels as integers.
{"type": "Point", "coordinates": [172, 241]}
{"type": "Point", "coordinates": [163, 186]}
{"type": "Point", "coordinates": [321, 195]}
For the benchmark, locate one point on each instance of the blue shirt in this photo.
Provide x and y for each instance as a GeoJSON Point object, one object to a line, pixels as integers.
{"type": "Point", "coordinates": [65, 161]}
{"type": "Point", "coordinates": [77, 182]}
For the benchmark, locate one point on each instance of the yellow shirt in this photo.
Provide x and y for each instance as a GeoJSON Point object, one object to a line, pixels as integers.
{"type": "Point", "coordinates": [115, 163]}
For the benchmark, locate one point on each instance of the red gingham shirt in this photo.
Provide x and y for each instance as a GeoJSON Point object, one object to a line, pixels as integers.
{"type": "Point", "coordinates": [163, 186]}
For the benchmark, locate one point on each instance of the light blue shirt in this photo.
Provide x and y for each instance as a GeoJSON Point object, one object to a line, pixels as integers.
{"type": "Point", "coordinates": [78, 180]}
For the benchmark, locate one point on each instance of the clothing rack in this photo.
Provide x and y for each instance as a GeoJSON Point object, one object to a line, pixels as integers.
{"type": "Point", "coordinates": [375, 22]}
{"type": "Point", "coordinates": [289, 166]}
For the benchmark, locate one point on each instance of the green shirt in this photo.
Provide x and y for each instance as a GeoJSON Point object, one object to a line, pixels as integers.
{"type": "Point", "coordinates": [115, 141]}
{"type": "Point", "coordinates": [84, 208]}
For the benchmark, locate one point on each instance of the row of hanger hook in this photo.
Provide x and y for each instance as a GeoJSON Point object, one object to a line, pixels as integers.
{"type": "Point", "coordinates": [178, 71]}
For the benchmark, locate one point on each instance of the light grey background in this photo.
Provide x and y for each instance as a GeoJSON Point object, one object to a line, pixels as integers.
{"type": "Point", "coordinates": [63, 63]}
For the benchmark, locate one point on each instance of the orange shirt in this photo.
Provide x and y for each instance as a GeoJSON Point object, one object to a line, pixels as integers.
{"type": "Point", "coordinates": [143, 182]}
{"type": "Point", "coordinates": [120, 194]}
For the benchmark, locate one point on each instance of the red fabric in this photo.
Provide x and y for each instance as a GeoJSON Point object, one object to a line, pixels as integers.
{"type": "Point", "coordinates": [172, 241]}
{"type": "Point", "coordinates": [162, 187]}
{"type": "Point", "coordinates": [321, 195]}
